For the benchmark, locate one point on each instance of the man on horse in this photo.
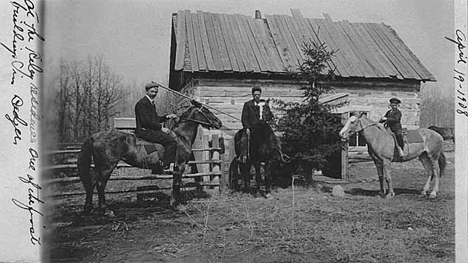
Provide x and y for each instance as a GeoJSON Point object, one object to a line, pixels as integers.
{"type": "Point", "coordinates": [392, 120]}
{"type": "Point", "coordinates": [149, 128]}
{"type": "Point", "coordinates": [250, 120]}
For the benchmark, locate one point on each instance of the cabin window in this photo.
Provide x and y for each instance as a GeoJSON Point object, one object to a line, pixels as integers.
{"type": "Point", "coordinates": [357, 140]}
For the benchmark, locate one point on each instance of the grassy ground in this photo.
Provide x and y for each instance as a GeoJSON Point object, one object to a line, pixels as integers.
{"type": "Point", "coordinates": [300, 224]}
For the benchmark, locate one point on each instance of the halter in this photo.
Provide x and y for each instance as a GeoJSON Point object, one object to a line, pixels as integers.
{"type": "Point", "coordinates": [361, 129]}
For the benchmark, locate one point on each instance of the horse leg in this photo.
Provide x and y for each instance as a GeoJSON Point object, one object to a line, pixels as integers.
{"type": "Point", "coordinates": [258, 177]}
{"type": "Point", "coordinates": [88, 186]}
{"type": "Point", "coordinates": [426, 162]}
{"type": "Point", "coordinates": [245, 172]}
{"type": "Point", "coordinates": [104, 173]}
{"type": "Point", "coordinates": [388, 177]}
{"type": "Point", "coordinates": [87, 176]}
{"type": "Point", "coordinates": [380, 173]}
{"type": "Point", "coordinates": [176, 184]}
{"type": "Point", "coordinates": [436, 176]}
{"type": "Point", "coordinates": [268, 180]}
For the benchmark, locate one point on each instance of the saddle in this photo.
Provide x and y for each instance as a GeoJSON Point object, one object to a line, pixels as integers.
{"type": "Point", "coordinates": [412, 136]}
{"type": "Point", "coordinates": [409, 136]}
{"type": "Point", "coordinates": [150, 147]}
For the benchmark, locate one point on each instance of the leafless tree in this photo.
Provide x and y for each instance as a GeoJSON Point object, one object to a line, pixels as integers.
{"type": "Point", "coordinates": [88, 93]}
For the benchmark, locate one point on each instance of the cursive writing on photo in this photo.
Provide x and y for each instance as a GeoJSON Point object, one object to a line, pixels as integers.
{"type": "Point", "coordinates": [33, 199]}
{"type": "Point", "coordinates": [459, 76]}
{"type": "Point", "coordinates": [34, 113]}
{"type": "Point", "coordinates": [16, 120]}
{"type": "Point", "coordinates": [32, 67]}
{"type": "Point", "coordinates": [25, 20]}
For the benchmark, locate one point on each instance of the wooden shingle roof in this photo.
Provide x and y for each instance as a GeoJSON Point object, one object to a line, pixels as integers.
{"type": "Point", "coordinates": [210, 42]}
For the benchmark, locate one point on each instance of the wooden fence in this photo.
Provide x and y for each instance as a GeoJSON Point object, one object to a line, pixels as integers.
{"type": "Point", "coordinates": [208, 150]}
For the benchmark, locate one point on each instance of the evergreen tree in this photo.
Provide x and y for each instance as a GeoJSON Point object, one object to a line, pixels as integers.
{"type": "Point", "coordinates": [309, 130]}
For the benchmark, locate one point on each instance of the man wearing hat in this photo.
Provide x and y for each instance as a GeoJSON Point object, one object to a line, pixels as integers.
{"type": "Point", "coordinates": [149, 128]}
{"type": "Point", "coordinates": [250, 118]}
{"type": "Point", "coordinates": [392, 119]}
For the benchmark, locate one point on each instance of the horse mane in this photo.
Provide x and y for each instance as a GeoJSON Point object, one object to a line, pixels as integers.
{"type": "Point", "coordinates": [380, 127]}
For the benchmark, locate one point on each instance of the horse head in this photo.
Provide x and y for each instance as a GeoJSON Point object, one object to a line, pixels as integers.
{"type": "Point", "coordinates": [199, 113]}
{"type": "Point", "coordinates": [354, 125]}
{"type": "Point", "coordinates": [265, 112]}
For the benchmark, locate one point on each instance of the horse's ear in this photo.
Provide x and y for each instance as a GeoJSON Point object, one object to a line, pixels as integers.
{"type": "Point", "coordinates": [196, 103]}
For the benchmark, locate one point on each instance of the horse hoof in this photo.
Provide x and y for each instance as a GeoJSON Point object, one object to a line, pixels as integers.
{"type": "Point", "coordinates": [433, 196]}
{"type": "Point", "coordinates": [174, 203]}
{"type": "Point", "coordinates": [268, 196]}
{"type": "Point", "coordinates": [109, 213]}
{"type": "Point", "coordinates": [390, 196]}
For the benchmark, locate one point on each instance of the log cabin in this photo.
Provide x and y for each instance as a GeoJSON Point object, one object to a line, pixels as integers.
{"type": "Point", "coordinates": [217, 58]}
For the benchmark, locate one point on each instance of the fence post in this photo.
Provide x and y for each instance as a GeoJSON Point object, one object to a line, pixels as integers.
{"type": "Point", "coordinates": [344, 152]}
{"type": "Point", "coordinates": [206, 156]}
{"type": "Point", "coordinates": [215, 156]}
{"type": "Point", "coordinates": [229, 155]}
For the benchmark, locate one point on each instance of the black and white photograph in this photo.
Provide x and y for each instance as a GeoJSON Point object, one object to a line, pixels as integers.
{"type": "Point", "coordinates": [234, 131]}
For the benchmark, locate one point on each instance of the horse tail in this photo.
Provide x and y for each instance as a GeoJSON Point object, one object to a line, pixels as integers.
{"type": "Point", "coordinates": [84, 162]}
{"type": "Point", "coordinates": [442, 163]}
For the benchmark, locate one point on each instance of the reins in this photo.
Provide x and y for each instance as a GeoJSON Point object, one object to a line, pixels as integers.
{"type": "Point", "coordinates": [189, 118]}
{"type": "Point", "coordinates": [203, 105]}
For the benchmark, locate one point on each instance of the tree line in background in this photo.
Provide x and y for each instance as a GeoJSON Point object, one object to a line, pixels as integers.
{"type": "Point", "coordinates": [87, 98]}
{"type": "Point", "coordinates": [89, 95]}
{"type": "Point", "coordinates": [436, 109]}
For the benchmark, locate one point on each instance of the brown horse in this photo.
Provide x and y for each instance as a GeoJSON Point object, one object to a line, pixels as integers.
{"type": "Point", "coordinates": [446, 132]}
{"type": "Point", "coordinates": [107, 148]}
{"type": "Point", "coordinates": [263, 147]}
{"type": "Point", "coordinates": [381, 147]}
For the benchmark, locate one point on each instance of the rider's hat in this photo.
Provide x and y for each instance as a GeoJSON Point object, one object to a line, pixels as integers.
{"type": "Point", "coordinates": [395, 100]}
{"type": "Point", "coordinates": [151, 85]}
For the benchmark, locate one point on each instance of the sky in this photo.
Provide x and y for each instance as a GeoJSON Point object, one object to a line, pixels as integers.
{"type": "Point", "coordinates": [134, 36]}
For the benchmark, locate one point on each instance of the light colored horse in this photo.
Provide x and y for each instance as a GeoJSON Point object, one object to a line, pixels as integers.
{"type": "Point", "coordinates": [381, 147]}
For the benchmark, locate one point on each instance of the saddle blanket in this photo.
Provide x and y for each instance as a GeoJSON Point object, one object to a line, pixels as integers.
{"type": "Point", "coordinates": [412, 136]}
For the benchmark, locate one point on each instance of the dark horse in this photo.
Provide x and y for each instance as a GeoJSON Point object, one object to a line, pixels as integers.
{"type": "Point", "coordinates": [381, 147]}
{"type": "Point", "coordinates": [446, 132]}
{"type": "Point", "coordinates": [107, 148]}
{"type": "Point", "coordinates": [263, 147]}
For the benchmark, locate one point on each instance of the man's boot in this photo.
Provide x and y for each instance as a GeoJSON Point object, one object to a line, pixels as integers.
{"type": "Point", "coordinates": [402, 153]}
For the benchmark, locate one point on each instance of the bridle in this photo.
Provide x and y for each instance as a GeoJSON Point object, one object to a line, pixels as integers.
{"type": "Point", "coordinates": [362, 128]}
{"type": "Point", "coordinates": [208, 123]}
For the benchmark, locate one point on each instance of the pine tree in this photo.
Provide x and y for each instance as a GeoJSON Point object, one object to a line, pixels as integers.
{"type": "Point", "coordinates": [309, 130]}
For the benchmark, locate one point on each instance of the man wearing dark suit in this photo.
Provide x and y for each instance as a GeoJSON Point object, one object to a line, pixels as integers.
{"type": "Point", "coordinates": [149, 128]}
{"type": "Point", "coordinates": [392, 119]}
{"type": "Point", "coordinates": [250, 118]}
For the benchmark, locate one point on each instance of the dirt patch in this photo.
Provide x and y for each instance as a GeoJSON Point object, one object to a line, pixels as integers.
{"type": "Point", "coordinates": [300, 224]}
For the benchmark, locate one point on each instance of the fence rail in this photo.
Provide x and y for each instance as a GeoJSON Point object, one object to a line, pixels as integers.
{"type": "Point", "coordinates": [208, 154]}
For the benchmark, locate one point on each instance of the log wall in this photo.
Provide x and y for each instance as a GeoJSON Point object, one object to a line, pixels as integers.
{"type": "Point", "coordinates": [229, 96]}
